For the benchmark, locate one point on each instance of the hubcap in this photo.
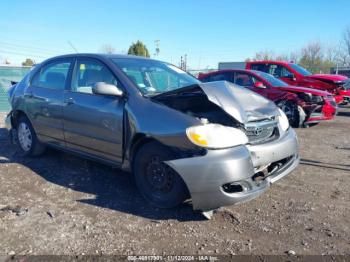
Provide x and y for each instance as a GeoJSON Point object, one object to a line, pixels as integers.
{"type": "Point", "coordinates": [24, 136]}
{"type": "Point", "coordinates": [159, 176]}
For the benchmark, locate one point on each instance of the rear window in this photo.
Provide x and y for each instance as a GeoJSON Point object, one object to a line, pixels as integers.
{"type": "Point", "coordinates": [260, 67]}
{"type": "Point", "coordinates": [53, 75]}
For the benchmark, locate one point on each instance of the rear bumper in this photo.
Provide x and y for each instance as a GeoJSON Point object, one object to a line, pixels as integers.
{"type": "Point", "coordinates": [11, 131]}
{"type": "Point", "coordinates": [8, 124]}
{"type": "Point", "coordinates": [205, 176]}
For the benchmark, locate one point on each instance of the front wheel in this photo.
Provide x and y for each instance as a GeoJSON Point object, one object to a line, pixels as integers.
{"type": "Point", "coordinates": [159, 184]}
{"type": "Point", "coordinates": [291, 111]}
{"type": "Point", "coordinates": [27, 141]}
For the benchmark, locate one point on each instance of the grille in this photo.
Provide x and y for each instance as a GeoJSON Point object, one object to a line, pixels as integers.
{"type": "Point", "coordinates": [262, 131]}
{"type": "Point", "coordinates": [318, 109]}
{"type": "Point", "coordinates": [333, 103]}
{"type": "Point", "coordinates": [331, 100]}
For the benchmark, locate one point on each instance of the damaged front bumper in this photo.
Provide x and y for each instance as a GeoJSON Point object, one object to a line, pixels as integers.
{"type": "Point", "coordinates": [229, 176]}
{"type": "Point", "coordinates": [327, 112]}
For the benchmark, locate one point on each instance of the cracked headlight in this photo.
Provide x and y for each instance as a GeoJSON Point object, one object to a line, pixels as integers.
{"type": "Point", "coordinates": [283, 120]}
{"type": "Point", "coordinates": [216, 136]}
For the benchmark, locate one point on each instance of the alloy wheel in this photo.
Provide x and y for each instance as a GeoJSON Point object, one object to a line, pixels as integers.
{"type": "Point", "coordinates": [25, 138]}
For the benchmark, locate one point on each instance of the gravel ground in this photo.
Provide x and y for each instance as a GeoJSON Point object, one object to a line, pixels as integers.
{"type": "Point", "coordinates": [62, 204]}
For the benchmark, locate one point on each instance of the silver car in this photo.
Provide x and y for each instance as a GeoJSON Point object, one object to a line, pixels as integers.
{"type": "Point", "coordinates": [214, 143]}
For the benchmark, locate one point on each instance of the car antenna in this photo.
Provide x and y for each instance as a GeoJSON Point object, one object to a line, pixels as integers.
{"type": "Point", "coordinates": [72, 46]}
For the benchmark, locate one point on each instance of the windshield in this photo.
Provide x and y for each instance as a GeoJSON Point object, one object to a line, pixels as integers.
{"type": "Point", "coordinates": [154, 77]}
{"type": "Point", "coordinates": [300, 70]}
{"type": "Point", "coordinates": [275, 82]}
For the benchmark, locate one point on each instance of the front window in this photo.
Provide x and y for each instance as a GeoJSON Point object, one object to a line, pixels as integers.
{"type": "Point", "coordinates": [243, 79]}
{"type": "Point", "coordinates": [154, 77]}
{"type": "Point", "coordinates": [88, 72]}
{"type": "Point", "coordinates": [300, 70]}
{"type": "Point", "coordinates": [275, 82]}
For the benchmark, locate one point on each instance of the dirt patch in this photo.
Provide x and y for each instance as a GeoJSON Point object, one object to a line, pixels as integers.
{"type": "Point", "coordinates": [61, 204]}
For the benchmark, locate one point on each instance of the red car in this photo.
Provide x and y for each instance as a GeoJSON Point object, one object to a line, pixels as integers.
{"type": "Point", "coordinates": [293, 74]}
{"type": "Point", "coordinates": [303, 106]}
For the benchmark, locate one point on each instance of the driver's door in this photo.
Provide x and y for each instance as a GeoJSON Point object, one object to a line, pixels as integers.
{"type": "Point", "coordinates": [93, 124]}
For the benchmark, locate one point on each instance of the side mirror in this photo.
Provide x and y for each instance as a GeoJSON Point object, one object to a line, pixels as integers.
{"type": "Point", "coordinates": [259, 85]}
{"type": "Point", "coordinates": [102, 88]}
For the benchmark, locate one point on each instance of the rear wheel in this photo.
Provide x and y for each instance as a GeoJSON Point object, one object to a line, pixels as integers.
{"type": "Point", "coordinates": [159, 184]}
{"type": "Point", "coordinates": [27, 141]}
{"type": "Point", "coordinates": [291, 111]}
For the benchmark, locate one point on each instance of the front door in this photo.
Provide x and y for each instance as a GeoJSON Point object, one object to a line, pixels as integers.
{"type": "Point", "coordinates": [93, 123]}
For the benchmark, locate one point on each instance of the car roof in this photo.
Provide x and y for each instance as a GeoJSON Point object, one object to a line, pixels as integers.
{"type": "Point", "coordinates": [99, 55]}
{"type": "Point", "coordinates": [269, 62]}
{"type": "Point", "coordinates": [227, 71]}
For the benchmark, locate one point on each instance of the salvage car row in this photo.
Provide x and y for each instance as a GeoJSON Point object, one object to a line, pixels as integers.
{"type": "Point", "coordinates": [305, 98]}
{"type": "Point", "coordinates": [216, 143]}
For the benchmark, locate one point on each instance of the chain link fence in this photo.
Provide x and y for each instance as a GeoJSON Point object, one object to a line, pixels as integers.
{"type": "Point", "coordinates": [8, 74]}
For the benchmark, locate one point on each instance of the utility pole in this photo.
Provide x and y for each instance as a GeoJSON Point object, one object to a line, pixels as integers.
{"type": "Point", "coordinates": [183, 62]}
{"type": "Point", "coordinates": [156, 43]}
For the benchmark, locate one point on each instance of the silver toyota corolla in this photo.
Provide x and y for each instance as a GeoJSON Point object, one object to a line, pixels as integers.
{"type": "Point", "coordinates": [214, 143]}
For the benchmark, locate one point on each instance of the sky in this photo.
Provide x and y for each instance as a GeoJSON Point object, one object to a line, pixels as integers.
{"type": "Point", "coordinates": [207, 31]}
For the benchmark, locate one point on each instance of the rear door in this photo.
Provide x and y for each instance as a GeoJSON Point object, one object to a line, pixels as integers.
{"type": "Point", "coordinates": [93, 123]}
{"type": "Point", "coordinates": [44, 100]}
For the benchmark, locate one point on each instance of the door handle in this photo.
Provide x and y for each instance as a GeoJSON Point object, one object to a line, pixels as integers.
{"type": "Point", "coordinates": [70, 101]}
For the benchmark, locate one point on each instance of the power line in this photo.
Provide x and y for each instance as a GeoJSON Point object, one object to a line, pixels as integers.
{"type": "Point", "coordinates": [31, 47]}
{"type": "Point", "coordinates": [24, 50]}
{"type": "Point", "coordinates": [21, 54]}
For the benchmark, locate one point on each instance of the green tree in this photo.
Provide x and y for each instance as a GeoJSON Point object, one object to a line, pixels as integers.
{"type": "Point", "coordinates": [138, 49]}
{"type": "Point", "coordinates": [28, 62]}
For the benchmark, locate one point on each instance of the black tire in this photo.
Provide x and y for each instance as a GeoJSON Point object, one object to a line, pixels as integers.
{"type": "Point", "coordinates": [25, 130]}
{"type": "Point", "coordinates": [158, 183]}
{"type": "Point", "coordinates": [291, 111]}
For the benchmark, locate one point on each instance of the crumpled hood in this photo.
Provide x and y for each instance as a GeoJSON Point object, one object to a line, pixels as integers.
{"type": "Point", "coordinates": [239, 102]}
